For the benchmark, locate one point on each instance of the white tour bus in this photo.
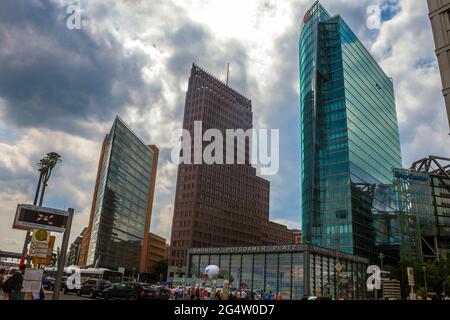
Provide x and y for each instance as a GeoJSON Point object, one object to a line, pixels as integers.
{"type": "Point", "coordinates": [74, 276]}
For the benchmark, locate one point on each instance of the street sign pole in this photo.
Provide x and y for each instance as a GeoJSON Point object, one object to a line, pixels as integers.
{"type": "Point", "coordinates": [28, 235]}
{"type": "Point", "coordinates": [62, 256]}
{"type": "Point", "coordinates": [46, 166]}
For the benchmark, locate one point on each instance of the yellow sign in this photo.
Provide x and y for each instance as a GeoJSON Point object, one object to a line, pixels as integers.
{"type": "Point", "coordinates": [338, 267]}
{"type": "Point", "coordinates": [48, 259]}
{"type": "Point", "coordinates": [41, 235]}
{"type": "Point", "coordinates": [410, 272]}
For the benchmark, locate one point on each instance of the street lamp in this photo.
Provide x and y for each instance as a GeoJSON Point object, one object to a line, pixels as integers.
{"type": "Point", "coordinates": [424, 268]}
{"type": "Point", "coordinates": [179, 269]}
{"type": "Point", "coordinates": [381, 256]}
{"type": "Point", "coordinates": [45, 167]}
{"type": "Point", "coordinates": [280, 283]}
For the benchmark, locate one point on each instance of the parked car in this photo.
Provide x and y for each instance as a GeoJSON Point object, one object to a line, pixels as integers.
{"type": "Point", "coordinates": [163, 293]}
{"type": "Point", "coordinates": [130, 291]}
{"type": "Point", "coordinates": [48, 283]}
{"type": "Point", "coordinates": [151, 292]}
{"type": "Point", "coordinates": [93, 287]}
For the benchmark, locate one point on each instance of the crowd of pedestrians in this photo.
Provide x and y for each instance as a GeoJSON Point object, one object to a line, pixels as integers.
{"type": "Point", "coordinates": [198, 293]}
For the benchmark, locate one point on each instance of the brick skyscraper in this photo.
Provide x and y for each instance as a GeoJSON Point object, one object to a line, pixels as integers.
{"type": "Point", "coordinates": [219, 205]}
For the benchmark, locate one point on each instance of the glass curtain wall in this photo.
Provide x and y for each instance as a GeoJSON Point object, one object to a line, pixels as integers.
{"type": "Point", "coordinates": [284, 273]}
{"type": "Point", "coordinates": [121, 208]}
{"type": "Point", "coordinates": [349, 135]}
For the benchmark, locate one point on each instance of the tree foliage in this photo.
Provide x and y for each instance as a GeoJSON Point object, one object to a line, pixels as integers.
{"type": "Point", "coordinates": [437, 275]}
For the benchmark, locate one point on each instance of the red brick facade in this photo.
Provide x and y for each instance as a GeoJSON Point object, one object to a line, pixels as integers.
{"type": "Point", "coordinates": [219, 205]}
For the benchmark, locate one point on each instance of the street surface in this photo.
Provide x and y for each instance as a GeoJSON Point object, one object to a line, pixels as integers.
{"type": "Point", "coordinates": [62, 296]}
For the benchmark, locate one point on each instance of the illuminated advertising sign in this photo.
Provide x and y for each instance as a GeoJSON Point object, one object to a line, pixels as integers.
{"type": "Point", "coordinates": [33, 217]}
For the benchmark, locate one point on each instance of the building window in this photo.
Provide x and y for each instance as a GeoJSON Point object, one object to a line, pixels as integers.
{"type": "Point", "coordinates": [297, 276]}
{"type": "Point", "coordinates": [235, 269]}
{"type": "Point", "coordinates": [271, 273]}
{"type": "Point", "coordinates": [246, 274]}
{"type": "Point", "coordinates": [447, 13]}
{"type": "Point", "coordinates": [285, 261]}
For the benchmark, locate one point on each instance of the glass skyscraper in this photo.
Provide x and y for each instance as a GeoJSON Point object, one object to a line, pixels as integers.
{"type": "Point", "coordinates": [121, 210]}
{"type": "Point", "coordinates": [349, 136]}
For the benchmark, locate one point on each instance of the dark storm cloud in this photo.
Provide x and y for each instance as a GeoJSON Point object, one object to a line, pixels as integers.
{"type": "Point", "coordinates": [51, 76]}
{"type": "Point", "coordinates": [200, 46]}
{"type": "Point", "coordinates": [192, 39]}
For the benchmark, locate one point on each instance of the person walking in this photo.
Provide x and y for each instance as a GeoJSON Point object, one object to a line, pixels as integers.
{"type": "Point", "coordinates": [2, 280]}
{"type": "Point", "coordinates": [8, 284]}
{"type": "Point", "coordinates": [17, 283]}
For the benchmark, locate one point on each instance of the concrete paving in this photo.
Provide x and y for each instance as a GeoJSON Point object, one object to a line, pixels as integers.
{"type": "Point", "coordinates": [62, 296]}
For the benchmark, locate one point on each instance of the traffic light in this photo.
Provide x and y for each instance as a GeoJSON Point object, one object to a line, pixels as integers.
{"type": "Point", "coordinates": [54, 259]}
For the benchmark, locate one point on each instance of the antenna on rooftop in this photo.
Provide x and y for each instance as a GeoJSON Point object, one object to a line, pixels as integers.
{"type": "Point", "coordinates": [228, 71]}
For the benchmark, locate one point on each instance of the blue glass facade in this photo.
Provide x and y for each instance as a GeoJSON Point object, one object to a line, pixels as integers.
{"type": "Point", "coordinates": [122, 203]}
{"type": "Point", "coordinates": [349, 135]}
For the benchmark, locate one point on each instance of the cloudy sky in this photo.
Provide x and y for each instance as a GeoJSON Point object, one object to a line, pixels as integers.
{"type": "Point", "coordinates": [60, 89]}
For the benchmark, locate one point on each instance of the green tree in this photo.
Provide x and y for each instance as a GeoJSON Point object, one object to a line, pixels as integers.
{"type": "Point", "coordinates": [437, 275]}
{"type": "Point", "coordinates": [446, 285]}
{"type": "Point", "coordinates": [421, 292]}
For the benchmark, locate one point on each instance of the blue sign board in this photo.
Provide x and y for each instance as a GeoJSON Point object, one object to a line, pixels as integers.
{"type": "Point", "coordinates": [410, 176]}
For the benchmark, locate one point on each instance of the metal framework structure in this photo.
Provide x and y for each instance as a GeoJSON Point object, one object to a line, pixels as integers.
{"type": "Point", "coordinates": [434, 165]}
{"type": "Point", "coordinates": [439, 168]}
{"type": "Point", "coordinates": [416, 217]}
